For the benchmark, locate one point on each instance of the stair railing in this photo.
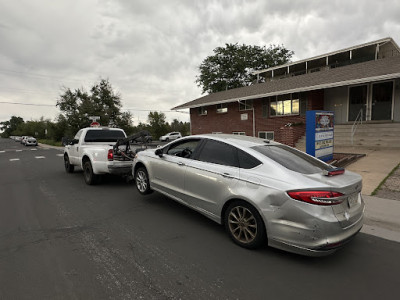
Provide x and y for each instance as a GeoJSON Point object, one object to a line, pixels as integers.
{"type": "Point", "coordinates": [357, 121]}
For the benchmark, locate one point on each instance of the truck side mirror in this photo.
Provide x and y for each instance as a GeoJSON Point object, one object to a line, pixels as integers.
{"type": "Point", "coordinates": [74, 141]}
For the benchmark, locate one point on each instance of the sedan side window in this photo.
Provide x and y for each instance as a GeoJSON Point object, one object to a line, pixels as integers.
{"type": "Point", "coordinates": [219, 153]}
{"type": "Point", "coordinates": [183, 149]}
{"type": "Point", "coordinates": [246, 161]}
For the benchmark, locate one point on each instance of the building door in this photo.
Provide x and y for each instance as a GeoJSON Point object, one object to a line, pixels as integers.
{"type": "Point", "coordinates": [382, 101]}
{"type": "Point", "coordinates": [357, 102]}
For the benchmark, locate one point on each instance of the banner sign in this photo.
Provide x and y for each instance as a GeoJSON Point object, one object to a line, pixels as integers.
{"type": "Point", "coordinates": [320, 134]}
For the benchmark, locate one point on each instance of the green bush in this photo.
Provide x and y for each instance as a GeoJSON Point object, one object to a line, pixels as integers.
{"type": "Point", "coordinates": [50, 142]}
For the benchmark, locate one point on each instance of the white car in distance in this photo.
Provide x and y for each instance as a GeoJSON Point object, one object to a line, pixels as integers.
{"type": "Point", "coordinates": [170, 136]}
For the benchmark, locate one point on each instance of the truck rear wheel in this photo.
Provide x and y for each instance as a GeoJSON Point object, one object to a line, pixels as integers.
{"type": "Point", "coordinates": [68, 167]}
{"type": "Point", "coordinates": [90, 177]}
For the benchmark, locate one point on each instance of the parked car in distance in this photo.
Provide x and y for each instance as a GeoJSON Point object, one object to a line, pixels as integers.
{"type": "Point", "coordinates": [260, 190]}
{"type": "Point", "coordinates": [18, 138]}
{"type": "Point", "coordinates": [170, 136]}
{"type": "Point", "coordinates": [23, 139]}
{"type": "Point", "coordinates": [30, 141]}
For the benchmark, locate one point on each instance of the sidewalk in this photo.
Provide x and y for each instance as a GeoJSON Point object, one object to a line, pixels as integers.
{"type": "Point", "coordinates": [382, 216]}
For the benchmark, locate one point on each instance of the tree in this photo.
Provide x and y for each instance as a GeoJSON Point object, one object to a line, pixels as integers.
{"type": "Point", "coordinates": [78, 105]}
{"type": "Point", "coordinates": [230, 67]}
{"type": "Point", "coordinates": [158, 126]}
{"type": "Point", "coordinates": [10, 126]}
{"type": "Point", "coordinates": [183, 128]}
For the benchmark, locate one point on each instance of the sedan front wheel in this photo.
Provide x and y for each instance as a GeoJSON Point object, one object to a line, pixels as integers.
{"type": "Point", "coordinates": [244, 225]}
{"type": "Point", "coordinates": [142, 181]}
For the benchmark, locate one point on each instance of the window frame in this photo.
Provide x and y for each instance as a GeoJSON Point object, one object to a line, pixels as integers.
{"type": "Point", "coordinates": [202, 111]}
{"type": "Point", "coordinates": [279, 103]}
{"type": "Point", "coordinates": [266, 135]}
{"type": "Point", "coordinates": [221, 108]}
{"type": "Point", "coordinates": [246, 104]}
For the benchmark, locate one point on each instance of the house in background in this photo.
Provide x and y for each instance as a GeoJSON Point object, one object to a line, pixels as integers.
{"type": "Point", "coordinates": [361, 82]}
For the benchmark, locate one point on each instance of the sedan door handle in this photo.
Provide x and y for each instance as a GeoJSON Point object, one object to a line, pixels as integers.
{"type": "Point", "coordinates": [227, 175]}
{"type": "Point", "coordinates": [181, 163]}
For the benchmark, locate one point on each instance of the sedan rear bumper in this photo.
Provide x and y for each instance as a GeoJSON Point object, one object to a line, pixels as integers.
{"type": "Point", "coordinates": [323, 243]}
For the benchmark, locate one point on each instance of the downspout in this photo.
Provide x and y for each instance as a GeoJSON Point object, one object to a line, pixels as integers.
{"type": "Point", "coordinates": [254, 119]}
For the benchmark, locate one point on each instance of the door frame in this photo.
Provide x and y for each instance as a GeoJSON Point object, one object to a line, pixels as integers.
{"type": "Point", "coordinates": [368, 106]}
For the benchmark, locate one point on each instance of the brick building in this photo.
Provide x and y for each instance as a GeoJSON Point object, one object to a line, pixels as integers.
{"type": "Point", "coordinates": [358, 82]}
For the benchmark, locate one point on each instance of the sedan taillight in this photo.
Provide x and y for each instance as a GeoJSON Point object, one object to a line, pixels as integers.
{"type": "Point", "coordinates": [110, 154]}
{"type": "Point", "coordinates": [317, 197]}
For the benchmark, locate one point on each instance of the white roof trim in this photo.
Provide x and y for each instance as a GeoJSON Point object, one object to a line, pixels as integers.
{"type": "Point", "coordinates": [303, 89]}
{"type": "Point", "coordinates": [388, 39]}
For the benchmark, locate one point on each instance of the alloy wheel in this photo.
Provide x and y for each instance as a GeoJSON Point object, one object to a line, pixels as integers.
{"type": "Point", "coordinates": [242, 224]}
{"type": "Point", "coordinates": [141, 181]}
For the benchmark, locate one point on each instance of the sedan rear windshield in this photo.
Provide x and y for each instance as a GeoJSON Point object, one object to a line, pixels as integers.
{"type": "Point", "coordinates": [104, 135]}
{"type": "Point", "coordinates": [292, 159]}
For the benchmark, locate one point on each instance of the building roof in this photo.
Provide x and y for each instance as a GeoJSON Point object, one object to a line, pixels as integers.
{"type": "Point", "coordinates": [374, 70]}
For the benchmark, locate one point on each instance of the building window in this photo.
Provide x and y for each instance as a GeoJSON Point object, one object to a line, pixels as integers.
{"type": "Point", "coordinates": [245, 104]}
{"type": "Point", "coordinates": [264, 107]}
{"type": "Point", "coordinates": [222, 108]}
{"type": "Point", "coordinates": [202, 111]}
{"type": "Point", "coordinates": [303, 104]}
{"type": "Point", "coordinates": [239, 133]}
{"type": "Point", "coordinates": [284, 105]}
{"type": "Point", "coordinates": [269, 135]}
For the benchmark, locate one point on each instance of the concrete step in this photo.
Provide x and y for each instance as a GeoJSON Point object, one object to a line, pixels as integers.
{"type": "Point", "coordinates": [381, 135]}
{"type": "Point", "coordinates": [368, 130]}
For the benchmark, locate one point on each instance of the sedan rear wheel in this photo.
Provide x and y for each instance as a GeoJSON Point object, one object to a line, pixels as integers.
{"type": "Point", "coordinates": [244, 225]}
{"type": "Point", "coordinates": [142, 181]}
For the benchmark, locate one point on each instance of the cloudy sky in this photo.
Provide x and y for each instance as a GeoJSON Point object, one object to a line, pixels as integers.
{"type": "Point", "coordinates": [151, 50]}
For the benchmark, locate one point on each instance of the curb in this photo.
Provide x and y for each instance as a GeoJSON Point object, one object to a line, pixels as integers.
{"type": "Point", "coordinates": [382, 218]}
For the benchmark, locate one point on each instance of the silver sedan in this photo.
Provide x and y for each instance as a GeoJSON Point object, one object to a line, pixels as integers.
{"type": "Point", "coordinates": [258, 189]}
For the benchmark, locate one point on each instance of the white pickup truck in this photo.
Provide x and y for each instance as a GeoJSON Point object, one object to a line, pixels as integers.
{"type": "Point", "coordinates": [92, 150]}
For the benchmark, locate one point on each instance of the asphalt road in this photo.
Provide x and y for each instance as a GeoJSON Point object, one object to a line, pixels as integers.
{"type": "Point", "coordinates": [62, 239]}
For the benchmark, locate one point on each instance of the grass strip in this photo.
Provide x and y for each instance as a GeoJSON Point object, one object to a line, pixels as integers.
{"type": "Point", "coordinates": [50, 142]}
{"type": "Point", "coordinates": [384, 180]}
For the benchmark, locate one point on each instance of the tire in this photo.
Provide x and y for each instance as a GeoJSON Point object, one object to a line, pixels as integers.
{"type": "Point", "coordinates": [68, 167]}
{"type": "Point", "coordinates": [88, 175]}
{"type": "Point", "coordinates": [142, 181]}
{"type": "Point", "coordinates": [244, 225]}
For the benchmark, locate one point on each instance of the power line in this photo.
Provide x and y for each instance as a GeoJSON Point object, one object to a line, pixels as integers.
{"type": "Point", "coordinates": [29, 104]}
{"type": "Point", "coordinates": [133, 109]}
{"type": "Point", "coordinates": [163, 111]}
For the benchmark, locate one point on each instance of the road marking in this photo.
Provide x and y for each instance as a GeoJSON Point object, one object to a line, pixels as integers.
{"type": "Point", "coordinates": [2, 151]}
{"type": "Point", "coordinates": [18, 150]}
{"type": "Point", "coordinates": [38, 157]}
{"type": "Point", "coordinates": [33, 149]}
{"type": "Point", "coordinates": [14, 159]}
{"type": "Point", "coordinates": [60, 154]}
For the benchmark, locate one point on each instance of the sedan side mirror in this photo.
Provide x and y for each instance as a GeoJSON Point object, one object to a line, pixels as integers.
{"type": "Point", "coordinates": [159, 152]}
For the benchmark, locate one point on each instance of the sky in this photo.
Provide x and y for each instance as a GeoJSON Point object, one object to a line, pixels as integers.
{"type": "Point", "coordinates": [150, 51]}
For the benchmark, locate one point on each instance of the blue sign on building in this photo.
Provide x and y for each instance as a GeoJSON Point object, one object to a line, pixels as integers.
{"type": "Point", "coordinates": [319, 134]}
